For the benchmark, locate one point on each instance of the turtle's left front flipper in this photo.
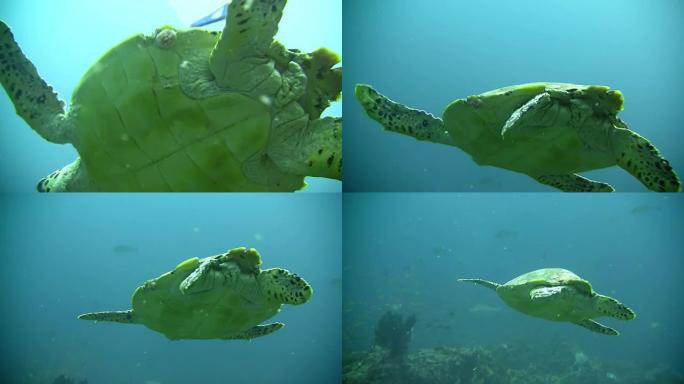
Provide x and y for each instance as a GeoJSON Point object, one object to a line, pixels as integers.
{"type": "Point", "coordinates": [257, 331]}
{"type": "Point", "coordinates": [574, 183]}
{"type": "Point", "coordinates": [636, 155]}
{"type": "Point", "coordinates": [239, 60]}
{"type": "Point", "coordinates": [34, 100]}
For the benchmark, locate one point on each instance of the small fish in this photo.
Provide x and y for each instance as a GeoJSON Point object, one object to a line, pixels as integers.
{"type": "Point", "coordinates": [218, 15]}
{"type": "Point", "coordinates": [483, 308]}
{"type": "Point", "coordinates": [122, 248]}
{"type": "Point", "coordinates": [644, 208]}
{"type": "Point", "coordinates": [506, 234]}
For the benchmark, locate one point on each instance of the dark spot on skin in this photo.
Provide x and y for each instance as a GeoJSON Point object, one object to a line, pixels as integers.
{"type": "Point", "coordinates": [241, 22]}
{"type": "Point", "coordinates": [310, 163]}
{"type": "Point", "coordinates": [320, 151]}
{"type": "Point", "coordinates": [243, 30]}
{"type": "Point", "coordinates": [330, 160]}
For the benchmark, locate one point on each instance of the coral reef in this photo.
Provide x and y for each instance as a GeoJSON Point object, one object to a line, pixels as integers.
{"type": "Point", "coordinates": [503, 364]}
{"type": "Point", "coordinates": [63, 379]}
{"type": "Point", "coordinates": [393, 333]}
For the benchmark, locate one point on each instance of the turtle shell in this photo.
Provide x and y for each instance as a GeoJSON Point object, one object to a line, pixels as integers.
{"type": "Point", "coordinates": [550, 277]}
{"type": "Point", "coordinates": [554, 147]}
{"type": "Point", "coordinates": [516, 293]}
{"type": "Point", "coordinates": [137, 130]}
{"type": "Point", "coordinates": [212, 314]}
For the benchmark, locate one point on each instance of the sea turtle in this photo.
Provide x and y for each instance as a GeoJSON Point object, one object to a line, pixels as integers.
{"type": "Point", "coordinates": [548, 131]}
{"type": "Point", "coordinates": [559, 295]}
{"type": "Point", "coordinates": [219, 297]}
{"type": "Point", "coordinates": [190, 110]}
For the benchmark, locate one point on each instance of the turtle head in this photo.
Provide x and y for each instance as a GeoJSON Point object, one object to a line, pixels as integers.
{"type": "Point", "coordinates": [284, 286]}
{"type": "Point", "coordinates": [605, 100]}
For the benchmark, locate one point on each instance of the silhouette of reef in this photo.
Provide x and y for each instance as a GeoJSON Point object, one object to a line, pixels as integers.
{"type": "Point", "coordinates": [502, 364]}
{"type": "Point", "coordinates": [63, 379]}
{"type": "Point", "coordinates": [393, 332]}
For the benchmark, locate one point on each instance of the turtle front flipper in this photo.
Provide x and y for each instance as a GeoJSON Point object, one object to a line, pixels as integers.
{"type": "Point", "coordinates": [34, 100]}
{"type": "Point", "coordinates": [597, 327]}
{"type": "Point", "coordinates": [239, 60]}
{"type": "Point", "coordinates": [636, 155]}
{"type": "Point", "coordinates": [115, 316]}
{"type": "Point", "coordinates": [607, 306]}
{"type": "Point", "coordinates": [399, 118]}
{"type": "Point", "coordinates": [257, 331]}
{"type": "Point", "coordinates": [316, 151]}
{"type": "Point", "coordinates": [574, 183]}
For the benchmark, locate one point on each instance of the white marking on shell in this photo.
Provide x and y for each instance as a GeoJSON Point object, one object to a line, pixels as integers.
{"type": "Point", "coordinates": [166, 38]}
{"type": "Point", "coordinates": [266, 100]}
{"type": "Point", "coordinates": [248, 4]}
{"type": "Point", "coordinates": [185, 64]}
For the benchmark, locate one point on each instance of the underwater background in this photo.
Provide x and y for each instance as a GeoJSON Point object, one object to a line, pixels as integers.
{"type": "Point", "coordinates": [64, 256]}
{"type": "Point", "coordinates": [64, 38]}
{"type": "Point", "coordinates": [426, 54]}
{"type": "Point", "coordinates": [404, 252]}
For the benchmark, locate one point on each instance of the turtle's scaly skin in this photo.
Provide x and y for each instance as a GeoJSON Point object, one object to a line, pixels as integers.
{"type": "Point", "coordinates": [190, 110]}
{"type": "Point", "coordinates": [549, 131]}
{"type": "Point", "coordinates": [559, 295]}
{"type": "Point", "coordinates": [225, 296]}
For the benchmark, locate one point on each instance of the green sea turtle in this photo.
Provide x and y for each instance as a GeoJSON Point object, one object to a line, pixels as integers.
{"type": "Point", "coordinates": [190, 110]}
{"type": "Point", "coordinates": [225, 296]}
{"type": "Point", "coordinates": [559, 295]}
{"type": "Point", "coordinates": [548, 131]}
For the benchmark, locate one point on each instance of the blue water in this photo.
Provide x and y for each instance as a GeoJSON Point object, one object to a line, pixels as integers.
{"type": "Point", "coordinates": [64, 256]}
{"type": "Point", "coordinates": [64, 38]}
{"type": "Point", "coordinates": [409, 249]}
{"type": "Point", "coordinates": [426, 54]}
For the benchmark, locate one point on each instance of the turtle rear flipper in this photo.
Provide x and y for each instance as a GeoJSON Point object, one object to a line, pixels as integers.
{"type": "Point", "coordinates": [72, 178]}
{"type": "Point", "coordinates": [607, 306]}
{"type": "Point", "coordinates": [574, 183]}
{"type": "Point", "coordinates": [488, 284]}
{"type": "Point", "coordinates": [114, 316]}
{"type": "Point", "coordinates": [316, 152]}
{"type": "Point", "coordinates": [597, 327]}
{"type": "Point", "coordinates": [34, 100]}
{"type": "Point", "coordinates": [636, 155]}
{"type": "Point", "coordinates": [399, 118]}
{"type": "Point", "coordinates": [257, 331]}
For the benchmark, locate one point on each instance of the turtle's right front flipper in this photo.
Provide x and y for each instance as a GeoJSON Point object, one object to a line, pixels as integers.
{"type": "Point", "coordinates": [257, 331]}
{"type": "Point", "coordinates": [574, 183]}
{"type": "Point", "coordinates": [399, 118]}
{"type": "Point", "coordinates": [114, 316]}
{"type": "Point", "coordinates": [597, 327]}
{"type": "Point", "coordinates": [34, 100]}
{"type": "Point", "coordinates": [636, 155]}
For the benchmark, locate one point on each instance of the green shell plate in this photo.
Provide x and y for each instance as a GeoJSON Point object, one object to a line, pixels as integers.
{"type": "Point", "coordinates": [475, 124]}
{"type": "Point", "coordinates": [216, 313]}
{"type": "Point", "coordinates": [137, 130]}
